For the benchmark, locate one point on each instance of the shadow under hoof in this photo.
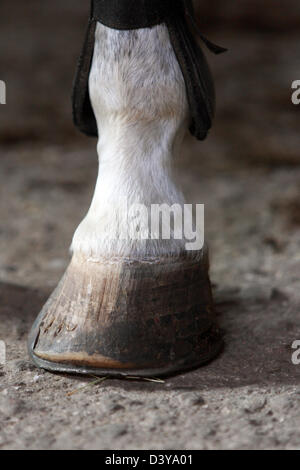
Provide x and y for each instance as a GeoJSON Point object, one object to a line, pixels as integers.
{"type": "Point", "coordinates": [259, 334]}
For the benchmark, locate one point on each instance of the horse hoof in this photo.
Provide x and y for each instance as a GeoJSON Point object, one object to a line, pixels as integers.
{"type": "Point", "coordinates": [151, 317]}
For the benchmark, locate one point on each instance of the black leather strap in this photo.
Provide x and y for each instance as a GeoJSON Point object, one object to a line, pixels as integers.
{"type": "Point", "coordinates": [132, 14]}
{"type": "Point", "coordinates": [83, 114]}
{"type": "Point", "coordinates": [179, 17]}
{"type": "Point", "coordinates": [198, 80]}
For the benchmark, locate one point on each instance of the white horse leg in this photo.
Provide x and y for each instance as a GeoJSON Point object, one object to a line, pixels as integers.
{"type": "Point", "coordinates": [131, 304]}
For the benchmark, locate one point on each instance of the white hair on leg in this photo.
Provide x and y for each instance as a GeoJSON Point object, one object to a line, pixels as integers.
{"type": "Point", "coordinates": [138, 95]}
{"type": "Point", "coordinates": [126, 306]}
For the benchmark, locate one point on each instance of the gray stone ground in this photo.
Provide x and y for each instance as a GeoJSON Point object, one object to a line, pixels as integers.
{"type": "Point", "coordinates": [247, 174]}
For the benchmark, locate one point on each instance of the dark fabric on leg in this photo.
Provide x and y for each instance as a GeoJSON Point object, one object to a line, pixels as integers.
{"type": "Point", "coordinates": [83, 114]}
{"type": "Point", "coordinates": [132, 14]}
{"type": "Point", "coordinates": [197, 76]}
{"type": "Point", "coordinates": [179, 17]}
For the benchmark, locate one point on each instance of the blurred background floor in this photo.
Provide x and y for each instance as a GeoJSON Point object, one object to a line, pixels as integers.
{"type": "Point", "coordinates": [248, 175]}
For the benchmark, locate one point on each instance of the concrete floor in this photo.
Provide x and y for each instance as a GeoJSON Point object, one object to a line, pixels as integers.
{"type": "Point", "coordinates": [248, 398]}
{"type": "Point", "coordinates": [247, 174]}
